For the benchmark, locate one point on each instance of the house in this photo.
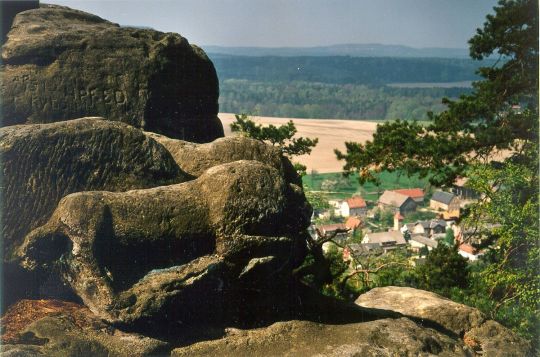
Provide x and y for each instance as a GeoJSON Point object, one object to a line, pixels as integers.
{"type": "Point", "coordinates": [418, 241]}
{"type": "Point", "coordinates": [469, 252]}
{"type": "Point", "coordinates": [336, 206]}
{"type": "Point", "coordinates": [430, 228]}
{"type": "Point", "coordinates": [357, 250]}
{"type": "Point", "coordinates": [354, 206]}
{"type": "Point", "coordinates": [341, 231]}
{"type": "Point", "coordinates": [417, 194]}
{"type": "Point", "coordinates": [444, 201]}
{"type": "Point", "coordinates": [397, 202]}
{"type": "Point", "coordinates": [460, 189]}
{"type": "Point", "coordinates": [387, 240]}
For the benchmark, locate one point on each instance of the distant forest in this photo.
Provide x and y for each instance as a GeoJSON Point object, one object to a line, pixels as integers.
{"type": "Point", "coordinates": [339, 86]}
{"type": "Point", "coordinates": [321, 100]}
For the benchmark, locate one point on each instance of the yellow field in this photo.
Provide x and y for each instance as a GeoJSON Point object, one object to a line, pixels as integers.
{"type": "Point", "coordinates": [332, 135]}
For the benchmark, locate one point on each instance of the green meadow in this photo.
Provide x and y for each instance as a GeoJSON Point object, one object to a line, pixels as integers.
{"type": "Point", "coordinates": [337, 186]}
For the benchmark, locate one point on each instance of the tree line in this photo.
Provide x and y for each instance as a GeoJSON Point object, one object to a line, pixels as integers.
{"type": "Point", "coordinates": [346, 70]}
{"type": "Point", "coordinates": [300, 99]}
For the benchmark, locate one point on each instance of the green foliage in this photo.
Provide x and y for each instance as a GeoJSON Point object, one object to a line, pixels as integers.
{"type": "Point", "coordinates": [443, 269]}
{"type": "Point", "coordinates": [522, 318]}
{"type": "Point", "coordinates": [317, 200]}
{"type": "Point", "coordinates": [449, 238]}
{"type": "Point", "coordinates": [397, 271]}
{"type": "Point", "coordinates": [280, 136]}
{"type": "Point", "coordinates": [419, 216]}
{"type": "Point", "coordinates": [357, 236]}
{"type": "Point", "coordinates": [383, 217]}
{"type": "Point", "coordinates": [337, 268]}
{"type": "Point", "coordinates": [511, 273]}
{"type": "Point", "coordinates": [294, 99]}
{"type": "Point", "coordinates": [424, 251]}
{"type": "Point", "coordinates": [459, 141]}
{"type": "Point", "coordinates": [346, 186]}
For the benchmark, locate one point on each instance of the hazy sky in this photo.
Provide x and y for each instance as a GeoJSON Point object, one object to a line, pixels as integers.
{"type": "Point", "coordinates": [274, 23]}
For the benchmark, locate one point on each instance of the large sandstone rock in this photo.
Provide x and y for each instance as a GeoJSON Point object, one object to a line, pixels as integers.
{"type": "Point", "coordinates": [194, 158]}
{"type": "Point", "coordinates": [42, 163]}
{"type": "Point", "coordinates": [57, 328]}
{"type": "Point", "coordinates": [429, 309]}
{"type": "Point", "coordinates": [192, 251]}
{"type": "Point", "coordinates": [61, 64]}
{"type": "Point", "coordinates": [424, 305]}
{"type": "Point", "coordinates": [493, 339]}
{"type": "Point", "coordinates": [384, 337]}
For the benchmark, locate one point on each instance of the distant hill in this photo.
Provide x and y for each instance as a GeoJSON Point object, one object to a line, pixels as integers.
{"type": "Point", "coordinates": [353, 50]}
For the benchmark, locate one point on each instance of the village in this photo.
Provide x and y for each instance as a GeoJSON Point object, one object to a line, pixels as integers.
{"type": "Point", "coordinates": [407, 219]}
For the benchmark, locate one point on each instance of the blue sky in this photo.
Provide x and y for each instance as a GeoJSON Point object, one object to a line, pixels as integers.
{"type": "Point", "coordinates": [275, 23]}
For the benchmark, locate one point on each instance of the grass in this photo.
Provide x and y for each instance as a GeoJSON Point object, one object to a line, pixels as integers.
{"type": "Point", "coordinates": [347, 186]}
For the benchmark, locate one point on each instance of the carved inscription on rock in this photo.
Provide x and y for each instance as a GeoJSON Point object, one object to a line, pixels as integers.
{"type": "Point", "coordinates": [148, 79]}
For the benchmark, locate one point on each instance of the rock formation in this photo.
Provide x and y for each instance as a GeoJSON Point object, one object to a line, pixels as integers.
{"type": "Point", "coordinates": [194, 245]}
{"type": "Point", "coordinates": [484, 336]}
{"type": "Point", "coordinates": [61, 64]}
{"type": "Point", "coordinates": [383, 337]}
{"type": "Point", "coordinates": [58, 328]}
{"type": "Point", "coordinates": [194, 158]}
{"type": "Point", "coordinates": [42, 163]}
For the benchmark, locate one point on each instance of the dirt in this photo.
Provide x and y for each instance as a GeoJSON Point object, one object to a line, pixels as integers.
{"type": "Point", "coordinates": [332, 135]}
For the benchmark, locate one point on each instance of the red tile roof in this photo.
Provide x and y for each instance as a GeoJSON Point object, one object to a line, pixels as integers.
{"type": "Point", "coordinates": [411, 192]}
{"type": "Point", "coordinates": [356, 202]}
{"type": "Point", "coordinates": [467, 248]}
{"type": "Point", "coordinates": [398, 216]}
{"type": "Point", "coordinates": [353, 222]}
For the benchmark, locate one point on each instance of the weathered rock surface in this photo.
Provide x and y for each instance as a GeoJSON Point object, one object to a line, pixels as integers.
{"type": "Point", "coordinates": [194, 158]}
{"type": "Point", "coordinates": [191, 251]}
{"type": "Point", "coordinates": [384, 337]}
{"type": "Point", "coordinates": [493, 339]}
{"type": "Point", "coordinates": [42, 163]}
{"type": "Point", "coordinates": [56, 328]}
{"type": "Point", "coordinates": [430, 309]}
{"type": "Point", "coordinates": [423, 305]}
{"type": "Point", "coordinates": [61, 64]}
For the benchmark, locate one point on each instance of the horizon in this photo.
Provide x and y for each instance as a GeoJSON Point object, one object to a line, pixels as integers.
{"type": "Point", "coordinates": [301, 23]}
{"type": "Point", "coordinates": [337, 44]}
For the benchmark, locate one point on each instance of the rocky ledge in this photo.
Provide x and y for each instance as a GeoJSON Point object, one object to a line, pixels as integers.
{"type": "Point", "coordinates": [322, 328]}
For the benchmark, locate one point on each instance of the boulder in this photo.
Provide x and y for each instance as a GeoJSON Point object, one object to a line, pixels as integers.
{"type": "Point", "coordinates": [61, 63]}
{"type": "Point", "coordinates": [195, 159]}
{"type": "Point", "coordinates": [429, 309]}
{"type": "Point", "coordinates": [426, 306]}
{"type": "Point", "coordinates": [493, 339]}
{"type": "Point", "coordinates": [58, 328]}
{"type": "Point", "coordinates": [41, 163]}
{"type": "Point", "coordinates": [187, 252]}
{"type": "Point", "coordinates": [383, 337]}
